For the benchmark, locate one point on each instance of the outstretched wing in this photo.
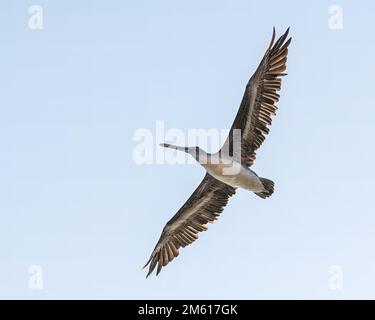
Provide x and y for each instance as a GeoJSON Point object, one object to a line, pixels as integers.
{"type": "Point", "coordinates": [204, 206]}
{"type": "Point", "coordinates": [258, 102]}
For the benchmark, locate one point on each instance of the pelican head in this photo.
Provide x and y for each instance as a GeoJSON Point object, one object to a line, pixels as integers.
{"type": "Point", "coordinates": [196, 152]}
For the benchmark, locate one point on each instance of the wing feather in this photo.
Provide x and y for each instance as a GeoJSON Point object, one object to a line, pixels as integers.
{"type": "Point", "coordinates": [258, 103]}
{"type": "Point", "coordinates": [204, 206]}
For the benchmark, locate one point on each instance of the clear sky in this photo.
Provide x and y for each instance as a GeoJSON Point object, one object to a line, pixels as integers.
{"type": "Point", "coordinates": [75, 204]}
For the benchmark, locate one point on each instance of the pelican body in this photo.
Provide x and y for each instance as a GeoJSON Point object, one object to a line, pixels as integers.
{"type": "Point", "coordinates": [229, 168]}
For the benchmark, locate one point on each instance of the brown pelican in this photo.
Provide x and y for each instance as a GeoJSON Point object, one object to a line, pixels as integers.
{"type": "Point", "coordinates": [209, 199]}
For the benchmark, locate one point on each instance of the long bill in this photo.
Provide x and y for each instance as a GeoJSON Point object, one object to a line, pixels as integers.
{"type": "Point", "coordinates": [172, 146]}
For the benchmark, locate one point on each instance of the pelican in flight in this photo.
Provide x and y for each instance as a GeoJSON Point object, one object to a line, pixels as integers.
{"type": "Point", "coordinates": [238, 152]}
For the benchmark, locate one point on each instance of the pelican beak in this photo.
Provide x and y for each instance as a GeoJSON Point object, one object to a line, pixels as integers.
{"type": "Point", "coordinates": [171, 146]}
{"type": "Point", "coordinates": [165, 145]}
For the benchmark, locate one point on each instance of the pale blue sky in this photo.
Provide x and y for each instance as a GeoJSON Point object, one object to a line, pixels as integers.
{"type": "Point", "coordinates": [73, 201]}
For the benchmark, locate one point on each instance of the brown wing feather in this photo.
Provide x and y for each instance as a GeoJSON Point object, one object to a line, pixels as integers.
{"type": "Point", "coordinates": [258, 103]}
{"type": "Point", "coordinates": [204, 206]}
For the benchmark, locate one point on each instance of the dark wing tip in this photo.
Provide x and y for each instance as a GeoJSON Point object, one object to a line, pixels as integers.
{"type": "Point", "coordinates": [286, 32]}
{"type": "Point", "coordinates": [147, 263]}
{"type": "Point", "coordinates": [152, 262]}
{"type": "Point", "coordinates": [287, 43]}
{"type": "Point", "coordinates": [273, 38]}
{"type": "Point", "coordinates": [158, 269]}
{"type": "Point", "coordinates": [152, 265]}
{"type": "Point", "coordinates": [148, 273]}
{"type": "Point", "coordinates": [280, 42]}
